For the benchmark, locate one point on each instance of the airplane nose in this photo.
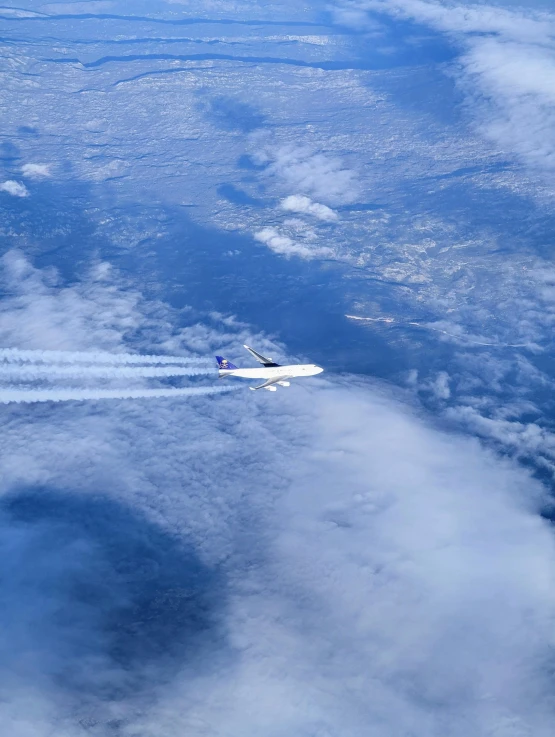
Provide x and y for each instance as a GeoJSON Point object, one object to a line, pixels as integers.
{"type": "Point", "coordinates": [319, 369]}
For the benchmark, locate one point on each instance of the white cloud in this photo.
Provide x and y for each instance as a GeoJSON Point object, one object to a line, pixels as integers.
{"type": "Point", "coordinates": [43, 314]}
{"type": "Point", "coordinates": [525, 440]}
{"type": "Point", "coordinates": [14, 188]}
{"type": "Point", "coordinates": [505, 70]}
{"type": "Point", "coordinates": [210, 568]}
{"type": "Point", "coordinates": [395, 592]}
{"type": "Point", "coordinates": [286, 246]}
{"type": "Point", "coordinates": [35, 171]}
{"type": "Point", "coordinates": [514, 76]}
{"type": "Point", "coordinates": [355, 17]}
{"type": "Point", "coordinates": [440, 386]}
{"type": "Point", "coordinates": [465, 17]}
{"type": "Point", "coordinates": [313, 174]}
{"type": "Point", "coordinates": [302, 204]}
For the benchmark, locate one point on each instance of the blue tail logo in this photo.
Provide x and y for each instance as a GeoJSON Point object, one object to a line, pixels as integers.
{"type": "Point", "coordinates": [224, 364]}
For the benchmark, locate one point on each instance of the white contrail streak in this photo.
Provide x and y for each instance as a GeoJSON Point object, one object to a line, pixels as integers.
{"type": "Point", "coordinates": [77, 395]}
{"type": "Point", "coordinates": [17, 355]}
{"type": "Point", "coordinates": [44, 371]}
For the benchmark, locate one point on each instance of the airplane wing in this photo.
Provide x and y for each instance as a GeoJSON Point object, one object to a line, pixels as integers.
{"type": "Point", "coordinates": [261, 359]}
{"type": "Point", "coordinates": [269, 384]}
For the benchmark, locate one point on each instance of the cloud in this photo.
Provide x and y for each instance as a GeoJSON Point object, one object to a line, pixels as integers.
{"type": "Point", "coordinates": [302, 204]}
{"type": "Point", "coordinates": [98, 602]}
{"type": "Point", "coordinates": [313, 174]}
{"type": "Point", "coordinates": [328, 563]}
{"type": "Point", "coordinates": [521, 113]}
{"type": "Point", "coordinates": [97, 315]}
{"type": "Point", "coordinates": [440, 386]}
{"type": "Point", "coordinates": [35, 171]}
{"type": "Point", "coordinates": [42, 314]}
{"type": "Point", "coordinates": [286, 246]}
{"type": "Point", "coordinates": [354, 16]}
{"type": "Point", "coordinates": [393, 596]}
{"type": "Point", "coordinates": [524, 440]}
{"type": "Point", "coordinates": [463, 17]}
{"type": "Point", "coordinates": [14, 188]}
{"type": "Point", "coordinates": [508, 58]}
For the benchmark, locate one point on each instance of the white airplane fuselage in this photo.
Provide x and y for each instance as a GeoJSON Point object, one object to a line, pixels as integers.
{"type": "Point", "coordinates": [271, 372]}
{"type": "Point", "coordinates": [308, 369]}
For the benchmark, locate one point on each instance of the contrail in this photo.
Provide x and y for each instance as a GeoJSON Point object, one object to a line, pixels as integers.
{"type": "Point", "coordinates": [17, 355]}
{"type": "Point", "coordinates": [44, 371]}
{"type": "Point", "coordinates": [66, 395]}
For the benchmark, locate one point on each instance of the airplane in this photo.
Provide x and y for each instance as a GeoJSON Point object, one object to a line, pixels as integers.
{"type": "Point", "coordinates": [272, 372]}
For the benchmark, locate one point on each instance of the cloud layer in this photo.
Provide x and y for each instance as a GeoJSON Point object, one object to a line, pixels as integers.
{"type": "Point", "coordinates": [508, 58]}
{"type": "Point", "coordinates": [350, 569]}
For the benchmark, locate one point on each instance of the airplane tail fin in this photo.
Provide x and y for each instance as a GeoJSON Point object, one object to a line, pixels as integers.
{"type": "Point", "coordinates": [224, 364]}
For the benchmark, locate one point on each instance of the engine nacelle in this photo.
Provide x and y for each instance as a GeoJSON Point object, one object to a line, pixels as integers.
{"type": "Point", "coordinates": [284, 383]}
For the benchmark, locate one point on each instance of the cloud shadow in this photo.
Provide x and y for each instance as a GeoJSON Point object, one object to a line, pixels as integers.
{"type": "Point", "coordinates": [99, 602]}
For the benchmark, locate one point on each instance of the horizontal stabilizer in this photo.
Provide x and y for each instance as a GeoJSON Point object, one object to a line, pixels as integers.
{"type": "Point", "coordinates": [260, 358]}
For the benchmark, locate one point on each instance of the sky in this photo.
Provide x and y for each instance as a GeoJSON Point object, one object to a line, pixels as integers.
{"type": "Point", "coordinates": [365, 185]}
